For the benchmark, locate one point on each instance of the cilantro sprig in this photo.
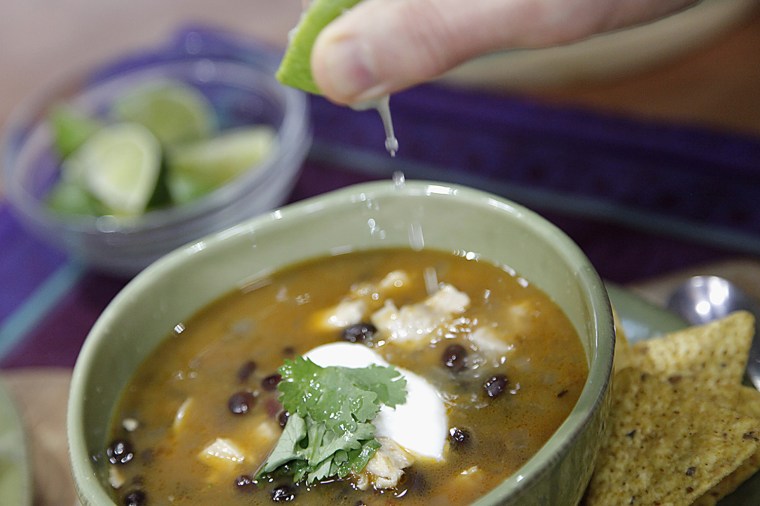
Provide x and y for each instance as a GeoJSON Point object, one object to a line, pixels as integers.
{"type": "Point", "coordinates": [329, 431]}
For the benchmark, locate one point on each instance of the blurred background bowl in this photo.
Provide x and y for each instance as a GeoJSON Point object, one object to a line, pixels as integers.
{"type": "Point", "coordinates": [606, 57]}
{"type": "Point", "coordinates": [240, 85]}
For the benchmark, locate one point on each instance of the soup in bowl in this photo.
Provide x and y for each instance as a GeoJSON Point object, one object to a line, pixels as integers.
{"type": "Point", "coordinates": [414, 342]}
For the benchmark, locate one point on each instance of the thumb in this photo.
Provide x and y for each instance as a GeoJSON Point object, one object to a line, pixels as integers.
{"type": "Point", "coordinates": [381, 46]}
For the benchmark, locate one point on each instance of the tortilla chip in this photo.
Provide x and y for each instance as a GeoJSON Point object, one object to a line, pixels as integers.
{"type": "Point", "coordinates": [745, 400]}
{"type": "Point", "coordinates": [716, 353]}
{"type": "Point", "coordinates": [730, 482]}
{"type": "Point", "coordinates": [665, 447]}
{"type": "Point", "coordinates": [742, 399]}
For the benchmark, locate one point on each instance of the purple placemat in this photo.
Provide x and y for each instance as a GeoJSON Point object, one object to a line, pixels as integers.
{"type": "Point", "coordinates": [640, 198]}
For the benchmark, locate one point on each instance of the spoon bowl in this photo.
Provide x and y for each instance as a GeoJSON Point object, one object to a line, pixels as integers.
{"type": "Point", "coordinates": [702, 299]}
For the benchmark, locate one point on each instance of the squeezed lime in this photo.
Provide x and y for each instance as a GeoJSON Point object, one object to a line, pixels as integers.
{"type": "Point", "coordinates": [295, 69]}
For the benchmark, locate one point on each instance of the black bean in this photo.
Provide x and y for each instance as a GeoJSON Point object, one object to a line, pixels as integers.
{"type": "Point", "coordinates": [283, 493]}
{"type": "Point", "coordinates": [245, 371]}
{"type": "Point", "coordinates": [245, 483]}
{"type": "Point", "coordinates": [272, 406]}
{"type": "Point", "coordinates": [458, 437]}
{"type": "Point", "coordinates": [359, 333]}
{"type": "Point", "coordinates": [495, 385]}
{"type": "Point", "coordinates": [241, 402]}
{"type": "Point", "coordinates": [454, 357]}
{"type": "Point", "coordinates": [412, 483]}
{"type": "Point", "coordinates": [120, 452]}
{"type": "Point", "coordinates": [416, 483]}
{"type": "Point", "coordinates": [288, 351]}
{"type": "Point", "coordinates": [282, 418]}
{"type": "Point", "coordinates": [270, 382]}
{"type": "Point", "coordinates": [135, 498]}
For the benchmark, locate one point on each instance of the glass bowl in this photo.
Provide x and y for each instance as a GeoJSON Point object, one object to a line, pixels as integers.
{"type": "Point", "coordinates": [236, 78]}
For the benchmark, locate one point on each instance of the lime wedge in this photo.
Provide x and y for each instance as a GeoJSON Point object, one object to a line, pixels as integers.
{"type": "Point", "coordinates": [68, 197]}
{"type": "Point", "coordinates": [184, 188]}
{"type": "Point", "coordinates": [120, 165]}
{"type": "Point", "coordinates": [175, 112]}
{"type": "Point", "coordinates": [70, 129]}
{"type": "Point", "coordinates": [213, 162]}
{"type": "Point", "coordinates": [295, 68]}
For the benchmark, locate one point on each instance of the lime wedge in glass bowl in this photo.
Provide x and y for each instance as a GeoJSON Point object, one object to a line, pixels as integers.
{"type": "Point", "coordinates": [72, 198]}
{"type": "Point", "coordinates": [71, 128]}
{"type": "Point", "coordinates": [173, 111]}
{"type": "Point", "coordinates": [118, 168]}
{"type": "Point", "coordinates": [212, 162]}
{"type": "Point", "coordinates": [119, 165]}
{"type": "Point", "coordinates": [83, 203]}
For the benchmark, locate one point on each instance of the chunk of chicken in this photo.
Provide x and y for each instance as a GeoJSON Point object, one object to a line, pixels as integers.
{"type": "Point", "coordinates": [347, 312]}
{"type": "Point", "coordinates": [394, 279]}
{"type": "Point", "coordinates": [221, 454]}
{"type": "Point", "coordinates": [488, 342]}
{"type": "Point", "coordinates": [414, 322]}
{"type": "Point", "coordinates": [353, 308]}
{"type": "Point", "coordinates": [385, 468]}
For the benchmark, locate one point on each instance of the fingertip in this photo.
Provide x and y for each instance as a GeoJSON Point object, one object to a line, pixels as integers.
{"type": "Point", "coordinates": [342, 65]}
{"type": "Point", "coordinates": [380, 47]}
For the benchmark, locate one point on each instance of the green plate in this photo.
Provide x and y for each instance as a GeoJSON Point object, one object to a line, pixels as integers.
{"type": "Point", "coordinates": [15, 475]}
{"type": "Point", "coordinates": [642, 320]}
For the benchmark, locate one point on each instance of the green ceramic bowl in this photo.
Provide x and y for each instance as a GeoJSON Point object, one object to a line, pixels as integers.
{"type": "Point", "coordinates": [368, 216]}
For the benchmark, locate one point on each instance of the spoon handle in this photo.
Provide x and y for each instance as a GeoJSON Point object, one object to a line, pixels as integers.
{"type": "Point", "coordinates": [753, 364]}
{"type": "Point", "coordinates": [703, 299]}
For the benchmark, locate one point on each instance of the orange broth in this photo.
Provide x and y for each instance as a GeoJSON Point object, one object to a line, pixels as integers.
{"type": "Point", "coordinates": [237, 343]}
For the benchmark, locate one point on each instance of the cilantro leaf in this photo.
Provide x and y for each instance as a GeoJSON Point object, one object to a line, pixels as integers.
{"type": "Point", "coordinates": [385, 382]}
{"type": "Point", "coordinates": [288, 446]}
{"type": "Point", "coordinates": [329, 431]}
{"type": "Point", "coordinates": [339, 396]}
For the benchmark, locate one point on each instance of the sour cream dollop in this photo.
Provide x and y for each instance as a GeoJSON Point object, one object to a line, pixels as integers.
{"type": "Point", "coordinates": [419, 425]}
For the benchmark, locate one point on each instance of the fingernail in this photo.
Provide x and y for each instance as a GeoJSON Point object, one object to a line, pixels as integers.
{"type": "Point", "coordinates": [348, 68]}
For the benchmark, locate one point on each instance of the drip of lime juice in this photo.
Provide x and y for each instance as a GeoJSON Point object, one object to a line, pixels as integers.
{"type": "Point", "coordinates": [295, 68]}
{"type": "Point", "coordinates": [382, 106]}
{"type": "Point", "coordinates": [384, 109]}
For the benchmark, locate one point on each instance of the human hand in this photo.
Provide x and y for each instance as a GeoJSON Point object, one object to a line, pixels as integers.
{"type": "Point", "coordinates": [382, 46]}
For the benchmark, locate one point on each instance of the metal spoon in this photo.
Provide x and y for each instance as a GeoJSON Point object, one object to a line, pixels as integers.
{"type": "Point", "coordinates": [702, 299]}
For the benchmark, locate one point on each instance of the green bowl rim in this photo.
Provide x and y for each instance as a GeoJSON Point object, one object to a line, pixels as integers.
{"type": "Point", "coordinates": [592, 395]}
